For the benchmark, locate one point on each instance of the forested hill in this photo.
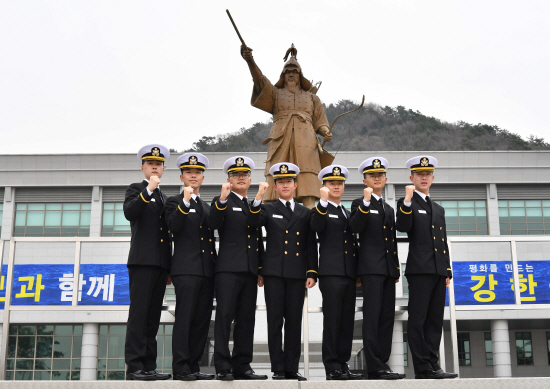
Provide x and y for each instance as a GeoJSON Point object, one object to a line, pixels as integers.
{"type": "Point", "coordinates": [384, 129]}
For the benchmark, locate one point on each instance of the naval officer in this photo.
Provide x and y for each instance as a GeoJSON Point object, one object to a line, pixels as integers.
{"type": "Point", "coordinates": [289, 265]}
{"type": "Point", "coordinates": [378, 267]}
{"type": "Point", "coordinates": [337, 273]}
{"type": "Point", "coordinates": [148, 265]}
{"type": "Point", "coordinates": [192, 269]}
{"type": "Point", "coordinates": [428, 267]}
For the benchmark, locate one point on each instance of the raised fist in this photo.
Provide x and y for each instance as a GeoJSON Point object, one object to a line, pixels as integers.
{"type": "Point", "coordinates": [367, 192]}
{"type": "Point", "coordinates": [246, 53]}
{"type": "Point", "coordinates": [409, 191]}
{"type": "Point", "coordinates": [187, 192]}
{"type": "Point", "coordinates": [226, 189]}
{"type": "Point", "coordinates": [324, 193]}
{"type": "Point", "coordinates": [261, 190]}
{"type": "Point", "coordinates": [154, 181]}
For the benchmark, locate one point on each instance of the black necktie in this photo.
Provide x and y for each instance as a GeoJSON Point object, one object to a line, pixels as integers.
{"type": "Point", "coordinates": [381, 202]}
{"type": "Point", "coordinates": [289, 207]}
{"type": "Point", "coordinates": [245, 201]}
{"type": "Point", "coordinates": [157, 192]}
{"type": "Point", "coordinates": [342, 210]}
{"type": "Point", "coordinates": [429, 202]}
{"type": "Point", "coordinates": [198, 203]}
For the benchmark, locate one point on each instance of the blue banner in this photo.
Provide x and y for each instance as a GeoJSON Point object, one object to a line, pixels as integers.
{"type": "Point", "coordinates": [492, 283]}
{"type": "Point", "coordinates": [53, 285]}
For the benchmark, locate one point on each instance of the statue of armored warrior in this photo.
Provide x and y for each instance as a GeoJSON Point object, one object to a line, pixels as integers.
{"type": "Point", "coordinates": [298, 116]}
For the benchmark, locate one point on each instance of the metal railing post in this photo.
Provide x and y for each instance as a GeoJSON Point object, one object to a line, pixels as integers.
{"type": "Point", "coordinates": [7, 303]}
{"type": "Point", "coordinates": [517, 292]}
{"type": "Point", "coordinates": [306, 336]}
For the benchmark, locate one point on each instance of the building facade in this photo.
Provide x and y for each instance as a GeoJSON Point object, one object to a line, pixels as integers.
{"type": "Point", "coordinates": [64, 243]}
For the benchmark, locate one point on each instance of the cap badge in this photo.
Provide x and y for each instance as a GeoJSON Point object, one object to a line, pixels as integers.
{"type": "Point", "coordinates": [424, 162]}
{"type": "Point", "coordinates": [284, 169]}
{"type": "Point", "coordinates": [155, 151]}
{"type": "Point", "coordinates": [192, 160]}
{"type": "Point", "coordinates": [240, 162]}
{"type": "Point", "coordinates": [376, 163]}
{"type": "Point", "coordinates": [336, 171]}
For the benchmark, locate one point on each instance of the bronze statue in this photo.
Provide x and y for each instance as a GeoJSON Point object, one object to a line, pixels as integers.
{"type": "Point", "coordinates": [298, 116]}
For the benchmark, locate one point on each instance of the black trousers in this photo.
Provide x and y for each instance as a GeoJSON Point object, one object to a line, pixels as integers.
{"type": "Point", "coordinates": [426, 308]}
{"type": "Point", "coordinates": [338, 320]}
{"type": "Point", "coordinates": [235, 301]}
{"type": "Point", "coordinates": [378, 318]}
{"type": "Point", "coordinates": [147, 287]}
{"type": "Point", "coordinates": [284, 298]}
{"type": "Point", "coordinates": [194, 300]}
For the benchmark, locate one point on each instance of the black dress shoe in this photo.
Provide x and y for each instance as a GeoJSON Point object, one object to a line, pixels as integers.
{"type": "Point", "coordinates": [225, 375]}
{"type": "Point", "coordinates": [160, 376]}
{"type": "Point", "coordinates": [140, 375]}
{"type": "Point", "coordinates": [429, 374]}
{"type": "Point", "coordinates": [445, 374]}
{"type": "Point", "coordinates": [295, 376]}
{"type": "Point", "coordinates": [384, 375]}
{"type": "Point", "coordinates": [278, 375]}
{"type": "Point", "coordinates": [202, 376]}
{"type": "Point", "coordinates": [352, 376]}
{"type": "Point", "coordinates": [337, 375]}
{"type": "Point", "coordinates": [250, 375]}
{"type": "Point", "coordinates": [185, 375]}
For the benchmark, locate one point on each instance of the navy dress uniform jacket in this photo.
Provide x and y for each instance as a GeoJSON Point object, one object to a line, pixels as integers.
{"type": "Point", "coordinates": [151, 242]}
{"type": "Point", "coordinates": [337, 249]}
{"type": "Point", "coordinates": [291, 245]}
{"type": "Point", "coordinates": [377, 238]}
{"type": "Point", "coordinates": [194, 242]}
{"type": "Point", "coordinates": [428, 248]}
{"type": "Point", "coordinates": [238, 251]}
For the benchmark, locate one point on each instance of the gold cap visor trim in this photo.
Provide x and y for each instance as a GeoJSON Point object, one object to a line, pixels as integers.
{"type": "Point", "coordinates": [284, 176]}
{"type": "Point", "coordinates": [151, 158]}
{"type": "Point", "coordinates": [334, 178]}
{"type": "Point", "coordinates": [422, 169]}
{"type": "Point", "coordinates": [381, 170]}
{"type": "Point", "coordinates": [193, 167]}
{"type": "Point", "coordinates": [239, 169]}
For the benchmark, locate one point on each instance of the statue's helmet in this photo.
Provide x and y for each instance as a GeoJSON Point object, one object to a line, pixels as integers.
{"type": "Point", "coordinates": [292, 63]}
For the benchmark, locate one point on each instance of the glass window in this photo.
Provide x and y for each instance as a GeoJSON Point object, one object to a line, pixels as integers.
{"type": "Point", "coordinates": [44, 352]}
{"type": "Point", "coordinates": [52, 219]}
{"type": "Point", "coordinates": [524, 217]}
{"type": "Point", "coordinates": [111, 352]}
{"type": "Point", "coordinates": [114, 221]}
{"type": "Point", "coordinates": [405, 350]}
{"type": "Point", "coordinates": [488, 349]}
{"type": "Point", "coordinates": [465, 217]}
{"type": "Point", "coordinates": [464, 355]}
{"type": "Point", "coordinates": [524, 348]}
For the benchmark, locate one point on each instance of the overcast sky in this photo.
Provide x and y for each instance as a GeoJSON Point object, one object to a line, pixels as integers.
{"type": "Point", "coordinates": [111, 76]}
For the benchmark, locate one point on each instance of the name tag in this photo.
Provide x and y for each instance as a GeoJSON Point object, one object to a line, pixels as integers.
{"type": "Point", "coordinates": [373, 211]}
{"type": "Point", "coordinates": [191, 210]}
{"type": "Point", "coordinates": [153, 200]}
{"type": "Point", "coordinates": [421, 211]}
{"type": "Point", "coordinates": [278, 216]}
{"type": "Point", "coordinates": [334, 216]}
{"type": "Point", "coordinates": [237, 209]}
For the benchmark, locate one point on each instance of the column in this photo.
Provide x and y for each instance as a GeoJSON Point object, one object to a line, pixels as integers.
{"type": "Point", "coordinates": [88, 359]}
{"type": "Point", "coordinates": [397, 362]}
{"type": "Point", "coordinates": [492, 210]}
{"type": "Point", "coordinates": [96, 213]}
{"type": "Point", "coordinates": [502, 365]}
{"type": "Point", "coordinates": [8, 214]}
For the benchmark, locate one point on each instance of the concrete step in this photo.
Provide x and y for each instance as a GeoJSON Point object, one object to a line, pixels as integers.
{"type": "Point", "coordinates": [467, 383]}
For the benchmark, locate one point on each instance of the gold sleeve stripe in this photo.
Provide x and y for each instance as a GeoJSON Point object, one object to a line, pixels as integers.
{"type": "Point", "coordinates": [181, 210]}
{"type": "Point", "coordinates": [259, 268]}
{"type": "Point", "coordinates": [312, 271]}
{"type": "Point", "coordinates": [221, 209]}
{"type": "Point", "coordinates": [255, 211]}
{"type": "Point", "coordinates": [320, 211]}
{"type": "Point", "coordinates": [141, 194]}
{"type": "Point", "coordinates": [362, 210]}
{"type": "Point", "coordinates": [406, 213]}
{"type": "Point", "coordinates": [450, 269]}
